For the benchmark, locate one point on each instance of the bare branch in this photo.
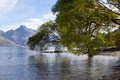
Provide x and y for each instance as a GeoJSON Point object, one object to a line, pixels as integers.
{"type": "Point", "coordinates": [107, 6]}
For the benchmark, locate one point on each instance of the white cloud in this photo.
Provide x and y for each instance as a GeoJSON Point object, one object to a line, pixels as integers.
{"type": "Point", "coordinates": [9, 27]}
{"type": "Point", "coordinates": [49, 16]}
{"type": "Point", "coordinates": [7, 5]}
{"type": "Point", "coordinates": [33, 23]}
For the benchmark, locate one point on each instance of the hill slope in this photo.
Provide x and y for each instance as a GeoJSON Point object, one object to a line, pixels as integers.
{"type": "Point", "coordinates": [1, 32]}
{"type": "Point", "coordinates": [6, 42]}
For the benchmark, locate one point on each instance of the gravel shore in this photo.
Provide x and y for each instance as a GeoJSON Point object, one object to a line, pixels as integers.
{"type": "Point", "coordinates": [111, 53]}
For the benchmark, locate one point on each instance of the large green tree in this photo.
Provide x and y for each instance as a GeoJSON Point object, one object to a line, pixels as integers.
{"type": "Point", "coordinates": [80, 23]}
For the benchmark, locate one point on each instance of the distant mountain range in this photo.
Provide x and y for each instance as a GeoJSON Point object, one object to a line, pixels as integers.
{"type": "Point", "coordinates": [17, 37]}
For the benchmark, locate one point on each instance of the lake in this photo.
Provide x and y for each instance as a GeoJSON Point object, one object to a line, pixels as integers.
{"type": "Point", "coordinates": [19, 63]}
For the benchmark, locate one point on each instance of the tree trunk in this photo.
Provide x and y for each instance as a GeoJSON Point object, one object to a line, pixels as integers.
{"type": "Point", "coordinates": [90, 55]}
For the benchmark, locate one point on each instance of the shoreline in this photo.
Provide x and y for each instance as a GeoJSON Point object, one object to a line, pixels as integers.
{"type": "Point", "coordinates": [111, 53]}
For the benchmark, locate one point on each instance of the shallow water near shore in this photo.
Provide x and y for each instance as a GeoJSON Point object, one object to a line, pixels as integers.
{"type": "Point", "coordinates": [18, 63]}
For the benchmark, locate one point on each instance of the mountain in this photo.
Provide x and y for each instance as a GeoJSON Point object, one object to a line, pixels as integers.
{"type": "Point", "coordinates": [19, 35]}
{"type": "Point", "coordinates": [6, 42]}
{"type": "Point", "coordinates": [1, 32]}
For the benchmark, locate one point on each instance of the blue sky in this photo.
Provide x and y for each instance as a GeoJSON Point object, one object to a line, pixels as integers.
{"type": "Point", "coordinates": [30, 13]}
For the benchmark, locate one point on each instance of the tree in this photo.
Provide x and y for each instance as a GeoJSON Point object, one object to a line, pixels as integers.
{"type": "Point", "coordinates": [46, 36]}
{"type": "Point", "coordinates": [80, 22]}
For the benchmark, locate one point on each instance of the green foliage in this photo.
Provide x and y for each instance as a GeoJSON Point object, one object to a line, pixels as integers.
{"type": "Point", "coordinates": [116, 36]}
{"type": "Point", "coordinates": [109, 40]}
{"type": "Point", "coordinates": [38, 40]}
{"type": "Point", "coordinates": [79, 21]}
{"type": "Point", "coordinates": [112, 39]}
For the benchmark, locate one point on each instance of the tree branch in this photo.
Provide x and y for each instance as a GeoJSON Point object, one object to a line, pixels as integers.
{"type": "Point", "coordinates": [104, 6]}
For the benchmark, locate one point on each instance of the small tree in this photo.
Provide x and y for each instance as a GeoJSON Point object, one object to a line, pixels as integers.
{"type": "Point", "coordinates": [45, 37]}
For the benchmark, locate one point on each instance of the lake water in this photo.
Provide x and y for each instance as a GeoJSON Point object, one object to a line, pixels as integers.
{"type": "Point", "coordinates": [17, 63]}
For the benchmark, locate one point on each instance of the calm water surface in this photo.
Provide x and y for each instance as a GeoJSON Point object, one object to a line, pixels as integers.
{"type": "Point", "coordinates": [22, 64]}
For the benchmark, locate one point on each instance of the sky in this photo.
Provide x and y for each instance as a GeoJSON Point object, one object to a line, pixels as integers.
{"type": "Point", "coordinates": [31, 13]}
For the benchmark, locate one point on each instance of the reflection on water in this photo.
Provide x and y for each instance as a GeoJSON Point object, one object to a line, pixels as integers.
{"type": "Point", "coordinates": [70, 67]}
{"type": "Point", "coordinates": [23, 64]}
